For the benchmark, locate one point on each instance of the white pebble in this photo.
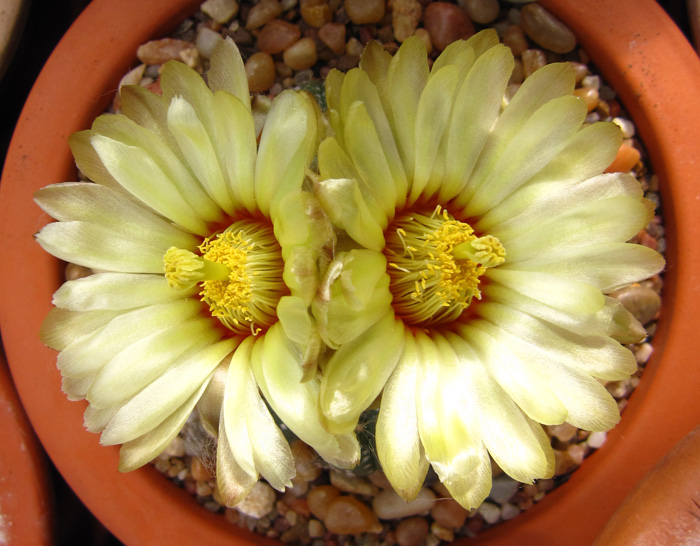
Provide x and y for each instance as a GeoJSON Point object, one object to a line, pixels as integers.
{"type": "Point", "coordinates": [591, 82]}
{"type": "Point", "coordinates": [503, 488]}
{"type": "Point", "coordinates": [643, 353]}
{"type": "Point", "coordinates": [596, 439]}
{"type": "Point", "coordinates": [509, 511]}
{"type": "Point", "coordinates": [222, 11]}
{"type": "Point", "coordinates": [259, 503]}
{"type": "Point", "coordinates": [389, 505]}
{"type": "Point", "coordinates": [207, 40]}
{"type": "Point", "coordinates": [626, 125]}
{"type": "Point", "coordinates": [490, 512]}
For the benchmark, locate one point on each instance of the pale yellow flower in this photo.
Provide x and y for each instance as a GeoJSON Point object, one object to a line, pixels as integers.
{"type": "Point", "coordinates": [480, 241]}
{"type": "Point", "coordinates": [204, 244]}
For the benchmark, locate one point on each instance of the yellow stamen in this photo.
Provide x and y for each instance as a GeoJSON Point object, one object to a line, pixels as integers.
{"type": "Point", "coordinates": [435, 265]}
{"type": "Point", "coordinates": [240, 270]}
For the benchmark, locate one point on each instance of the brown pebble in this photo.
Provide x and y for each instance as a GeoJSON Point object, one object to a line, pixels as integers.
{"type": "Point", "coordinates": [348, 516]}
{"type": "Point", "coordinates": [362, 12]}
{"type": "Point", "coordinates": [260, 69]}
{"type": "Point", "coordinates": [301, 55]}
{"type": "Point", "coordinates": [446, 23]}
{"type": "Point", "coordinates": [546, 30]}
{"type": "Point", "coordinates": [262, 13]}
{"type": "Point", "coordinates": [643, 302]}
{"type": "Point", "coordinates": [354, 47]}
{"type": "Point", "coordinates": [319, 499]}
{"type": "Point", "coordinates": [316, 13]}
{"type": "Point", "coordinates": [333, 35]}
{"type": "Point", "coordinates": [405, 17]}
{"type": "Point", "coordinates": [482, 11]}
{"type": "Point", "coordinates": [304, 461]}
{"type": "Point", "coordinates": [161, 51]}
{"type": "Point", "coordinates": [563, 432]}
{"type": "Point", "coordinates": [347, 62]}
{"type": "Point", "coordinates": [277, 35]}
{"type": "Point", "coordinates": [514, 37]}
{"type": "Point", "coordinates": [518, 74]}
{"type": "Point", "coordinates": [590, 95]}
{"type": "Point", "coordinates": [198, 470]}
{"type": "Point", "coordinates": [625, 160]}
{"type": "Point", "coordinates": [75, 271]}
{"type": "Point", "coordinates": [412, 531]}
{"type": "Point", "coordinates": [443, 533]}
{"type": "Point", "coordinates": [533, 59]}
{"type": "Point", "coordinates": [449, 512]}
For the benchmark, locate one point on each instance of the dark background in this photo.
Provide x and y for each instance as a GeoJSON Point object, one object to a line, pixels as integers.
{"type": "Point", "coordinates": [46, 22]}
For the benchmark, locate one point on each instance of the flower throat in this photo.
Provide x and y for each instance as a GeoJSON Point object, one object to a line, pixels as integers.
{"type": "Point", "coordinates": [435, 263]}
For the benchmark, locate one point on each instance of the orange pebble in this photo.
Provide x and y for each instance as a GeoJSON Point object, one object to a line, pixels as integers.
{"type": "Point", "coordinates": [319, 499]}
{"type": "Point", "coordinates": [627, 157]}
{"type": "Point", "coordinates": [349, 516]}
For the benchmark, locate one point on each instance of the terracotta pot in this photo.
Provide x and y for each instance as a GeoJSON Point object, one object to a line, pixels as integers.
{"type": "Point", "coordinates": [640, 52]}
{"type": "Point", "coordinates": [25, 492]}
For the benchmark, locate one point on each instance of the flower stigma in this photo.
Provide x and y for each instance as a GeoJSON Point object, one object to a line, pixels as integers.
{"type": "Point", "coordinates": [240, 270]}
{"type": "Point", "coordinates": [435, 263]}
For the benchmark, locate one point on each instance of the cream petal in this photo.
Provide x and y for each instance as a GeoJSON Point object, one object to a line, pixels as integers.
{"type": "Point", "coordinates": [136, 453]}
{"type": "Point", "coordinates": [236, 146]}
{"type": "Point", "coordinates": [612, 320]}
{"type": "Point", "coordinates": [608, 266]}
{"type": "Point", "coordinates": [149, 111]}
{"type": "Point", "coordinates": [177, 80]}
{"type": "Point", "coordinates": [524, 385]}
{"type": "Point", "coordinates": [137, 172]}
{"type": "Point", "coordinates": [74, 388]}
{"type": "Point", "coordinates": [293, 314]}
{"type": "Point", "coordinates": [541, 138]}
{"type": "Point", "coordinates": [407, 76]}
{"type": "Point", "coordinates": [277, 368]}
{"type": "Point", "coordinates": [432, 119]}
{"type": "Point", "coordinates": [116, 291]}
{"type": "Point", "coordinates": [62, 327]}
{"type": "Point", "coordinates": [611, 220]}
{"type": "Point", "coordinates": [503, 428]}
{"type": "Point", "coordinates": [374, 62]}
{"type": "Point", "coordinates": [155, 403]}
{"type": "Point", "coordinates": [399, 448]}
{"type": "Point", "coordinates": [347, 209]}
{"type": "Point", "coordinates": [89, 162]}
{"type": "Point", "coordinates": [97, 247]}
{"type": "Point", "coordinates": [357, 87]}
{"type": "Point", "coordinates": [289, 133]}
{"type": "Point", "coordinates": [364, 148]}
{"type": "Point", "coordinates": [234, 483]}
{"type": "Point", "coordinates": [96, 419]}
{"type": "Point", "coordinates": [333, 85]}
{"type": "Point", "coordinates": [357, 300]}
{"type": "Point", "coordinates": [227, 72]}
{"type": "Point", "coordinates": [143, 361]}
{"type": "Point", "coordinates": [526, 207]}
{"type": "Point", "coordinates": [87, 354]}
{"type": "Point", "coordinates": [114, 210]}
{"type": "Point", "coordinates": [302, 221]}
{"type": "Point", "coordinates": [564, 294]}
{"type": "Point", "coordinates": [122, 129]}
{"type": "Point", "coordinates": [458, 54]}
{"type": "Point", "coordinates": [474, 113]}
{"type": "Point", "coordinates": [597, 356]}
{"type": "Point", "coordinates": [356, 373]}
{"type": "Point", "coordinates": [271, 454]}
{"type": "Point", "coordinates": [199, 151]}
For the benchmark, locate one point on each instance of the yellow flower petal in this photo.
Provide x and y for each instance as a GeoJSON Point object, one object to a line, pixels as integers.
{"type": "Point", "coordinates": [227, 72]}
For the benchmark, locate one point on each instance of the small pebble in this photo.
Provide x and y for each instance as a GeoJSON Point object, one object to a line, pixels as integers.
{"type": "Point", "coordinates": [533, 59]}
{"type": "Point", "coordinates": [443, 533]}
{"type": "Point", "coordinates": [514, 37]}
{"type": "Point", "coordinates": [161, 51]}
{"type": "Point", "coordinates": [596, 439]}
{"type": "Point", "coordinates": [412, 531]}
{"type": "Point", "coordinates": [509, 511]}
{"type": "Point", "coordinates": [643, 353]}
{"type": "Point", "coordinates": [74, 272]}
{"type": "Point", "coordinates": [316, 528]}
{"type": "Point", "coordinates": [198, 470]}
{"type": "Point", "coordinates": [405, 17]}
{"type": "Point", "coordinates": [563, 432]}
{"type": "Point", "coordinates": [262, 13]}
{"type": "Point", "coordinates": [481, 11]}
{"type": "Point", "coordinates": [316, 13]}
{"type": "Point", "coordinates": [260, 502]}
{"type": "Point", "coordinates": [362, 12]}
{"type": "Point", "coordinates": [503, 488]}
{"type": "Point", "coordinates": [424, 36]}
{"type": "Point", "coordinates": [222, 11]}
{"type": "Point", "coordinates": [580, 70]}
{"type": "Point", "coordinates": [348, 516]}
{"type": "Point", "coordinates": [333, 35]}
{"type": "Point", "coordinates": [277, 35]}
{"type": "Point", "coordinates": [319, 499]}
{"type": "Point", "coordinates": [389, 505]}
{"type": "Point", "coordinates": [207, 40]}
{"type": "Point", "coordinates": [590, 95]}
{"type": "Point", "coordinates": [446, 23]}
{"type": "Point", "coordinates": [352, 484]}
{"type": "Point", "coordinates": [305, 461]}
{"type": "Point", "coordinates": [301, 55]}
{"type": "Point", "coordinates": [546, 30]}
{"type": "Point", "coordinates": [627, 157]}
{"type": "Point", "coordinates": [643, 302]}
{"type": "Point", "coordinates": [354, 47]}
{"type": "Point", "coordinates": [626, 126]}
{"type": "Point", "coordinates": [449, 513]}
{"type": "Point", "coordinates": [260, 69]}
{"type": "Point", "coordinates": [490, 512]}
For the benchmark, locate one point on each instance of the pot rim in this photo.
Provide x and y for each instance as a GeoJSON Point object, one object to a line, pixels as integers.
{"type": "Point", "coordinates": [652, 65]}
